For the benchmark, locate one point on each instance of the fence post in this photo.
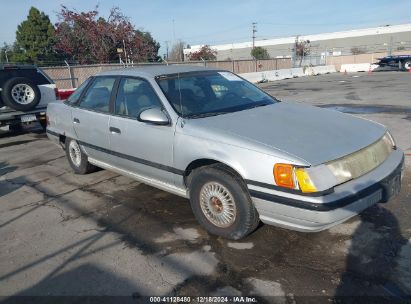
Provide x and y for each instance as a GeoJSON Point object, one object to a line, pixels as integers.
{"type": "Point", "coordinates": [233, 68]}
{"type": "Point", "coordinates": [72, 80]}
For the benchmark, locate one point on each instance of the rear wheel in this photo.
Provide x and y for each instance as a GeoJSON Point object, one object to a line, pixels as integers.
{"type": "Point", "coordinates": [221, 203]}
{"type": "Point", "coordinates": [407, 65]}
{"type": "Point", "coordinates": [77, 159]}
{"type": "Point", "coordinates": [21, 94]}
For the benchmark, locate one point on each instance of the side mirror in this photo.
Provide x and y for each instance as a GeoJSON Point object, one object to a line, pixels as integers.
{"type": "Point", "coordinates": [154, 116]}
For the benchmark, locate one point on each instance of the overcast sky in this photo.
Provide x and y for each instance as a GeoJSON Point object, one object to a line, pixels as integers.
{"type": "Point", "coordinates": [224, 21]}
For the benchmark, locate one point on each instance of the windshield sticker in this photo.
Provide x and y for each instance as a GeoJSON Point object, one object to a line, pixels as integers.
{"type": "Point", "coordinates": [229, 76]}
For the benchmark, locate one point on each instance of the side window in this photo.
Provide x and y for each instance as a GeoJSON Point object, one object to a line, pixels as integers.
{"type": "Point", "coordinates": [73, 98]}
{"type": "Point", "coordinates": [97, 97]}
{"type": "Point", "coordinates": [134, 96]}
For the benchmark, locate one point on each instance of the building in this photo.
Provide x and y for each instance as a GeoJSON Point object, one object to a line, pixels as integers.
{"type": "Point", "coordinates": [371, 40]}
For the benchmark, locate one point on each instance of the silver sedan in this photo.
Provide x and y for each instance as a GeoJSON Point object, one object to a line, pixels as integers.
{"type": "Point", "coordinates": [239, 154]}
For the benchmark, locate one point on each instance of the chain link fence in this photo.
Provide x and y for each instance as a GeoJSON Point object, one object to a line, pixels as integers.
{"type": "Point", "coordinates": [71, 76]}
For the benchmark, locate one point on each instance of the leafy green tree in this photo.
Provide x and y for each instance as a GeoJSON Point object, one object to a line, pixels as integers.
{"type": "Point", "coordinates": [35, 38]}
{"type": "Point", "coordinates": [260, 53]}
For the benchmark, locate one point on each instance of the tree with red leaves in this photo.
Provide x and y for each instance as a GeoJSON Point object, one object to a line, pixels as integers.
{"type": "Point", "coordinates": [88, 38]}
{"type": "Point", "coordinates": [205, 53]}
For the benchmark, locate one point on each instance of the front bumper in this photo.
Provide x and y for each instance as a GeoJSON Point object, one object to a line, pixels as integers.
{"type": "Point", "coordinates": [316, 213]}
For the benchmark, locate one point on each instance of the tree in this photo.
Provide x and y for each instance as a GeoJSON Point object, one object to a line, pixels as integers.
{"type": "Point", "coordinates": [6, 52]}
{"type": "Point", "coordinates": [302, 49]}
{"type": "Point", "coordinates": [88, 38]}
{"type": "Point", "coordinates": [177, 53]}
{"type": "Point", "coordinates": [153, 46]}
{"type": "Point", "coordinates": [205, 53]}
{"type": "Point", "coordinates": [357, 51]}
{"type": "Point", "coordinates": [260, 53]}
{"type": "Point", "coordinates": [35, 38]}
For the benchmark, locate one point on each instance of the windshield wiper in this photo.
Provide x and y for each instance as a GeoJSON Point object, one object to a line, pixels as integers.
{"type": "Point", "coordinates": [207, 114]}
{"type": "Point", "coordinates": [260, 105]}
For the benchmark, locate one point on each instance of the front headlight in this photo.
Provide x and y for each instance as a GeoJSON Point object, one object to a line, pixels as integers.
{"type": "Point", "coordinates": [333, 173]}
{"type": "Point", "coordinates": [362, 161]}
{"type": "Point", "coordinates": [389, 140]}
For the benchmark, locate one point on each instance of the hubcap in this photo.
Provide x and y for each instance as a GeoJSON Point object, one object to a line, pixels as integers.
{"type": "Point", "coordinates": [22, 93]}
{"type": "Point", "coordinates": [75, 153]}
{"type": "Point", "coordinates": [217, 204]}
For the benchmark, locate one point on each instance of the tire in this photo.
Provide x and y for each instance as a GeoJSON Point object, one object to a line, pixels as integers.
{"type": "Point", "coordinates": [407, 65]}
{"type": "Point", "coordinates": [216, 192]}
{"type": "Point", "coordinates": [20, 94]}
{"type": "Point", "coordinates": [77, 159]}
{"type": "Point", "coordinates": [43, 124]}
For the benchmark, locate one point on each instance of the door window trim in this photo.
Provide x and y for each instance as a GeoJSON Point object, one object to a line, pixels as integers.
{"type": "Point", "coordinates": [87, 89]}
{"type": "Point", "coordinates": [75, 104]}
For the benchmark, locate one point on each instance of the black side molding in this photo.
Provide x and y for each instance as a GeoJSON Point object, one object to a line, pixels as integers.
{"type": "Point", "coordinates": [128, 157]}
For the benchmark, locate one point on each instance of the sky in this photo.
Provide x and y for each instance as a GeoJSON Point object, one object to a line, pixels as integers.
{"type": "Point", "coordinates": [225, 21]}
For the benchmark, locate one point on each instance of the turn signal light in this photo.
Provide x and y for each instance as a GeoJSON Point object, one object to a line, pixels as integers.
{"type": "Point", "coordinates": [304, 181]}
{"type": "Point", "coordinates": [284, 175]}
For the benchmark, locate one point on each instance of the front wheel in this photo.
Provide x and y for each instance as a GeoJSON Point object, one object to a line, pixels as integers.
{"type": "Point", "coordinates": [77, 158]}
{"type": "Point", "coordinates": [407, 65]}
{"type": "Point", "coordinates": [221, 203]}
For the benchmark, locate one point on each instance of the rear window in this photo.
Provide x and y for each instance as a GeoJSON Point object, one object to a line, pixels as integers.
{"type": "Point", "coordinates": [37, 76]}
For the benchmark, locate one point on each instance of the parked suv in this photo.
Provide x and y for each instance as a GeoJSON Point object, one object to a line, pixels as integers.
{"type": "Point", "coordinates": [25, 91]}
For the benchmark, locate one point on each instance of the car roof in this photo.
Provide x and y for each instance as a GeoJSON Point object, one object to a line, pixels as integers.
{"type": "Point", "coordinates": [13, 66]}
{"type": "Point", "coordinates": [157, 70]}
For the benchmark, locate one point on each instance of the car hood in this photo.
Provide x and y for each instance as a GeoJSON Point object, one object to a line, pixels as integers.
{"type": "Point", "coordinates": [310, 133]}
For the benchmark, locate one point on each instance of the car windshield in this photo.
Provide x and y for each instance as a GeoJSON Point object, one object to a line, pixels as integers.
{"type": "Point", "coordinates": [208, 93]}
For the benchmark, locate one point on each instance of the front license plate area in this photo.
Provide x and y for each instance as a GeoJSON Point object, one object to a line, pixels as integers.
{"type": "Point", "coordinates": [28, 118]}
{"type": "Point", "coordinates": [391, 187]}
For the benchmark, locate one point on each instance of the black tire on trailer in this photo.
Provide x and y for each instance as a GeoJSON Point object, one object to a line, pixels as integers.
{"type": "Point", "coordinates": [221, 203]}
{"type": "Point", "coordinates": [20, 94]}
{"type": "Point", "coordinates": [16, 128]}
{"type": "Point", "coordinates": [77, 159]}
{"type": "Point", "coordinates": [43, 124]}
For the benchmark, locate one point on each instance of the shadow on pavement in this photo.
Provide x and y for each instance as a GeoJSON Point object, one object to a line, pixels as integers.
{"type": "Point", "coordinates": [372, 260]}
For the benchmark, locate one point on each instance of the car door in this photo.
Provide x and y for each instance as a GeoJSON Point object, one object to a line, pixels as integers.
{"type": "Point", "coordinates": [91, 117]}
{"type": "Point", "coordinates": [140, 147]}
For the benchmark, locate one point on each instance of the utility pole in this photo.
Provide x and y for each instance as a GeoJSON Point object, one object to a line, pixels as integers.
{"type": "Point", "coordinates": [390, 46]}
{"type": "Point", "coordinates": [254, 31]}
{"type": "Point", "coordinates": [166, 42]}
{"type": "Point", "coordinates": [125, 52]}
{"type": "Point", "coordinates": [174, 32]}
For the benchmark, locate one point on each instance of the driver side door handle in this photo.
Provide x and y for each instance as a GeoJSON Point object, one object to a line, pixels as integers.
{"type": "Point", "coordinates": [114, 130]}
